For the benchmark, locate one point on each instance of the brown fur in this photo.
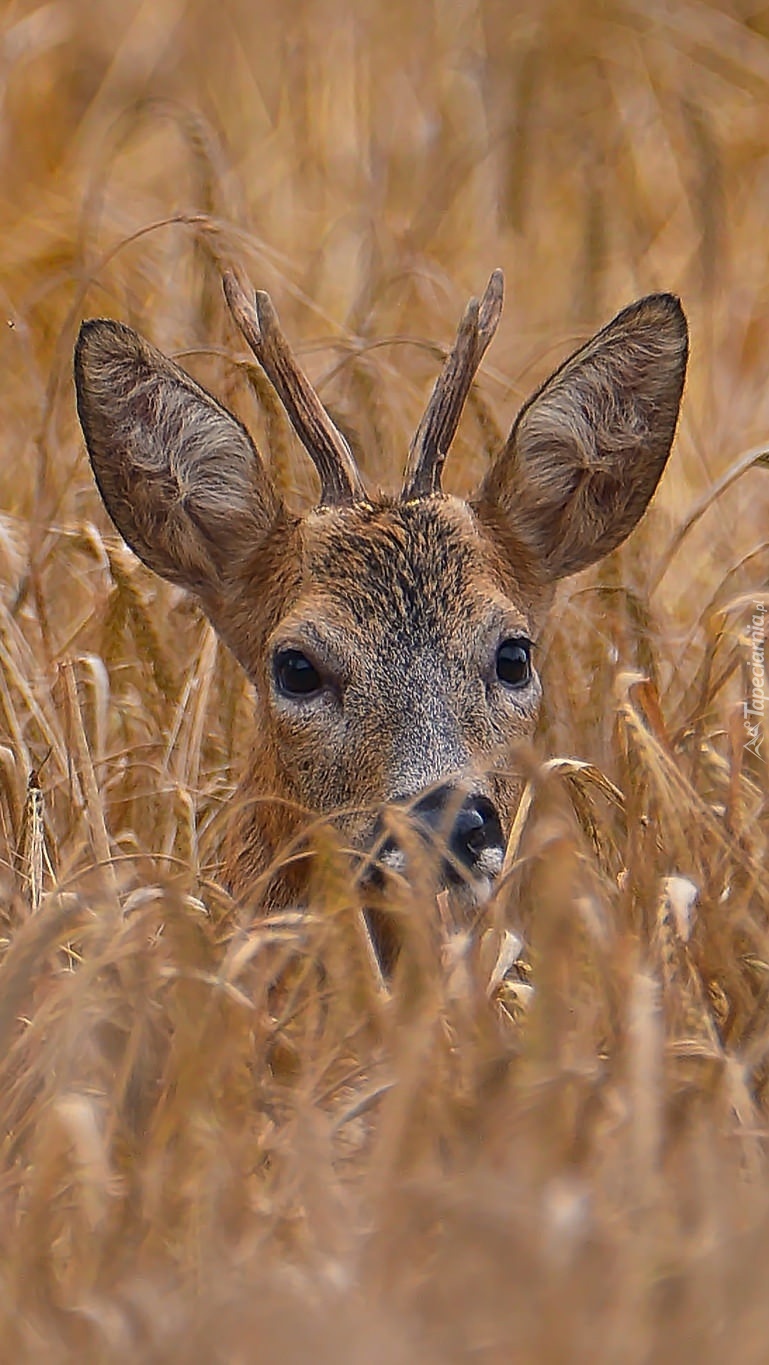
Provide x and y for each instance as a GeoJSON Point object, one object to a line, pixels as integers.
{"type": "Point", "coordinates": [400, 603]}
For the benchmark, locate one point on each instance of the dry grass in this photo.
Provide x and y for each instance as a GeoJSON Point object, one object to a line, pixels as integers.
{"type": "Point", "coordinates": [220, 1139]}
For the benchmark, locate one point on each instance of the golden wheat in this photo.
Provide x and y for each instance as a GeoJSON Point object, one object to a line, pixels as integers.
{"type": "Point", "coordinates": [222, 1136]}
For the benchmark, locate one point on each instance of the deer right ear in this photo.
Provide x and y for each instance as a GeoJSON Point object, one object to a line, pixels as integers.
{"type": "Point", "coordinates": [179, 475]}
{"type": "Point", "coordinates": [586, 452]}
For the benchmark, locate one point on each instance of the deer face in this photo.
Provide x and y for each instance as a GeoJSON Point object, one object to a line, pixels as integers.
{"type": "Point", "coordinates": [402, 671]}
{"type": "Point", "coordinates": [391, 642]}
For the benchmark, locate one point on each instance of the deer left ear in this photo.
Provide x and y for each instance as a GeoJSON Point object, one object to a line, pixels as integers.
{"type": "Point", "coordinates": [586, 453]}
{"type": "Point", "coordinates": [179, 475]}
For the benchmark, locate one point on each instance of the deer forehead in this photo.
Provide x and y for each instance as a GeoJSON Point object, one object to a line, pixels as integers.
{"type": "Point", "coordinates": [417, 573]}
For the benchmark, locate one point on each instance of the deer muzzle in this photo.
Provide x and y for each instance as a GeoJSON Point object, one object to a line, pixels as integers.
{"type": "Point", "coordinates": [457, 835]}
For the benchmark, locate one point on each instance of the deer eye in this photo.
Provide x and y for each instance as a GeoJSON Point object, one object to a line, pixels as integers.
{"type": "Point", "coordinates": [295, 674]}
{"type": "Point", "coordinates": [514, 662]}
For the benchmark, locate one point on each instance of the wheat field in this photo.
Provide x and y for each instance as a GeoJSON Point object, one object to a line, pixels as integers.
{"type": "Point", "coordinates": [222, 1137]}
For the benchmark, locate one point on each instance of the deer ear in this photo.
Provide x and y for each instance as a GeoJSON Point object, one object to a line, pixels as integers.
{"type": "Point", "coordinates": [586, 452]}
{"type": "Point", "coordinates": [179, 475]}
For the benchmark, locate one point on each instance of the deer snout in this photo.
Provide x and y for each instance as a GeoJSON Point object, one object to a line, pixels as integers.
{"type": "Point", "coordinates": [464, 831]}
{"type": "Point", "coordinates": [463, 841]}
{"type": "Point", "coordinates": [472, 832]}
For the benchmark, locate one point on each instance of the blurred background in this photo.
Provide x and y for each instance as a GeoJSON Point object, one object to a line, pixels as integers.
{"type": "Point", "coordinates": [593, 1187]}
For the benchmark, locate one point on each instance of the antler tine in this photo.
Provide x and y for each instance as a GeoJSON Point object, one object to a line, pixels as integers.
{"type": "Point", "coordinates": [340, 480]}
{"type": "Point", "coordinates": [436, 431]}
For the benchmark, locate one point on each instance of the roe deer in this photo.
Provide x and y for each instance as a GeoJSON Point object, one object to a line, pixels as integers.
{"type": "Point", "coordinates": [388, 639]}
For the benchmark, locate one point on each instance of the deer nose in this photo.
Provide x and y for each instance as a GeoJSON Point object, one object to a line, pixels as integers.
{"type": "Point", "coordinates": [465, 833]}
{"type": "Point", "coordinates": [472, 830]}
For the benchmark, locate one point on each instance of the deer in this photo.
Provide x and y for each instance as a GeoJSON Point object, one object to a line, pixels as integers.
{"type": "Point", "coordinates": [389, 639]}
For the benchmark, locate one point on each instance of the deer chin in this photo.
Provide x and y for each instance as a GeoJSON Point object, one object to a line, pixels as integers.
{"type": "Point", "coordinates": [455, 908]}
{"type": "Point", "coordinates": [474, 886]}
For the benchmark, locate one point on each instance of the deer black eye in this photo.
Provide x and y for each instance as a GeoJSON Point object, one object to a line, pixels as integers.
{"type": "Point", "coordinates": [514, 662]}
{"type": "Point", "coordinates": [295, 675]}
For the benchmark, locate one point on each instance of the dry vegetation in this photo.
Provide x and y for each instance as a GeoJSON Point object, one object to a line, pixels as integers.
{"type": "Point", "coordinates": [220, 1139]}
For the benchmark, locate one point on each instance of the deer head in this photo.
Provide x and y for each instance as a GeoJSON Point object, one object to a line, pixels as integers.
{"type": "Point", "coordinates": [388, 639]}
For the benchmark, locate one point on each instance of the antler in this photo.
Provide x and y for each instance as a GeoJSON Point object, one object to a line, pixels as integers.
{"type": "Point", "coordinates": [324, 443]}
{"type": "Point", "coordinates": [436, 431]}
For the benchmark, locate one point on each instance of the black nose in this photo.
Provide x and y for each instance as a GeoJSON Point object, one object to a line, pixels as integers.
{"type": "Point", "coordinates": [465, 835]}
{"type": "Point", "coordinates": [471, 828]}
